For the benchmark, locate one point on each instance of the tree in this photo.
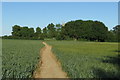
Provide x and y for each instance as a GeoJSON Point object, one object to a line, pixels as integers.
{"type": "Point", "coordinates": [90, 30]}
{"type": "Point", "coordinates": [45, 32]}
{"type": "Point", "coordinates": [116, 31]}
{"type": "Point", "coordinates": [111, 37]}
{"type": "Point", "coordinates": [16, 31]}
{"type": "Point", "coordinates": [75, 29]}
{"type": "Point", "coordinates": [41, 36]}
{"type": "Point", "coordinates": [100, 31]}
{"type": "Point", "coordinates": [38, 33]}
{"type": "Point", "coordinates": [70, 29]}
{"type": "Point", "coordinates": [51, 30]}
{"type": "Point", "coordinates": [24, 32]}
{"type": "Point", "coordinates": [31, 33]}
{"type": "Point", "coordinates": [38, 30]}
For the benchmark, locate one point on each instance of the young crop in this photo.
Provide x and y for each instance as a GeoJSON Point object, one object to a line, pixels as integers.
{"type": "Point", "coordinates": [88, 59]}
{"type": "Point", "coordinates": [19, 58]}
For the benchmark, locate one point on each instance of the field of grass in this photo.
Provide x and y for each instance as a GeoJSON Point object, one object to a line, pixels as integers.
{"type": "Point", "coordinates": [19, 58]}
{"type": "Point", "coordinates": [78, 59]}
{"type": "Point", "coordinates": [88, 59]}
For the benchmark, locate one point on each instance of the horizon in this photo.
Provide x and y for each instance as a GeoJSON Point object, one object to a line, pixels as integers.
{"type": "Point", "coordinates": [40, 14]}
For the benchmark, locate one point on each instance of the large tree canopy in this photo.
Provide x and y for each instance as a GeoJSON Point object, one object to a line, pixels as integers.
{"type": "Point", "coordinates": [91, 30]}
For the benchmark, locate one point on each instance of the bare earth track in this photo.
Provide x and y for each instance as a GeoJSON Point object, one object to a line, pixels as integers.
{"type": "Point", "coordinates": [48, 66]}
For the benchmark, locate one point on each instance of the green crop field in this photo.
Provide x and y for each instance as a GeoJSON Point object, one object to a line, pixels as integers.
{"type": "Point", "coordinates": [87, 59]}
{"type": "Point", "coordinates": [78, 59]}
{"type": "Point", "coordinates": [19, 58]}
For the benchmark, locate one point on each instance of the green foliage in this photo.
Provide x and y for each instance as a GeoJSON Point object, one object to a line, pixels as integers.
{"type": "Point", "coordinates": [87, 59]}
{"type": "Point", "coordinates": [41, 36]}
{"type": "Point", "coordinates": [51, 30]}
{"type": "Point", "coordinates": [31, 32]}
{"type": "Point", "coordinates": [16, 30]}
{"type": "Point", "coordinates": [22, 32]}
{"type": "Point", "coordinates": [38, 30]}
{"type": "Point", "coordinates": [116, 31]}
{"type": "Point", "coordinates": [111, 37]}
{"type": "Point", "coordinates": [25, 33]}
{"type": "Point", "coordinates": [90, 30]}
{"type": "Point", "coordinates": [7, 37]}
{"type": "Point", "coordinates": [73, 30]}
{"type": "Point", "coordinates": [60, 37]}
{"type": "Point", "coordinates": [45, 32]}
{"type": "Point", "coordinates": [20, 58]}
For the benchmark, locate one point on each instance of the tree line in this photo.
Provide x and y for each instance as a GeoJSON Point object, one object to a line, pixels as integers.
{"type": "Point", "coordinates": [73, 30]}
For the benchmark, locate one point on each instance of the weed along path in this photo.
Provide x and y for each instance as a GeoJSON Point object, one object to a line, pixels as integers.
{"type": "Point", "coordinates": [49, 66]}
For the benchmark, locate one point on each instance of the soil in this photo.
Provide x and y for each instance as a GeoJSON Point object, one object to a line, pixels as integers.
{"type": "Point", "coordinates": [49, 66]}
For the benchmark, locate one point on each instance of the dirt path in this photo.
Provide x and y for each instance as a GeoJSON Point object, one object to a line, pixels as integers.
{"type": "Point", "coordinates": [48, 67]}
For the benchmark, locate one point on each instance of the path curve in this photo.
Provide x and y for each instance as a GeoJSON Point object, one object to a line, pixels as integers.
{"type": "Point", "coordinates": [49, 67]}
